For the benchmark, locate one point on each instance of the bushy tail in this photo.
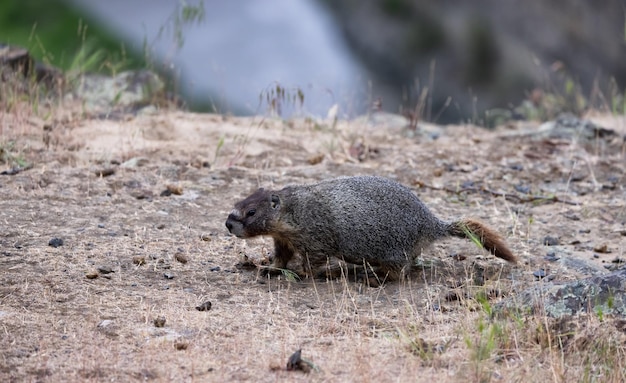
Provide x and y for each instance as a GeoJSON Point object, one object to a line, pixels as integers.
{"type": "Point", "coordinates": [488, 238]}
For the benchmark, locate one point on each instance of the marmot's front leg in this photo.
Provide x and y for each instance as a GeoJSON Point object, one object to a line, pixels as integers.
{"type": "Point", "coordinates": [278, 261]}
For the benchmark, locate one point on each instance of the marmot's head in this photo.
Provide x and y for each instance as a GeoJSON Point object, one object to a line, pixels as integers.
{"type": "Point", "coordinates": [254, 215]}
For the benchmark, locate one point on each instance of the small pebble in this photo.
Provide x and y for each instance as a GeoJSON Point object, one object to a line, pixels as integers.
{"type": "Point", "coordinates": [175, 189]}
{"type": "Point", "coordinates": [206, 306]}
{"type": "Point", "coordinates": [104, 172]}
{"type": "Point", "coordinates": [205, 237]}
{"type": "Point", "coordinates": [550, 241]}
{"type": "Point", "coordinates": [181, 345]}
{"type": "Point", "coordinates": [55, 242]}
{"type": "Point", "coordinates": [93, 274]}
{"type": "Point", "coordinates": [596, 256]}
{"type": "Point", "coordinates": [216, 268]}
{"type": "Point", "coordinates": [100, 226]}
{"type": "Point", "coordinates": [180, 257]}
{"type": "Point", "coordinates": [540, 274]}
{"type": "Point", "coordinates": [159, 321]}
{"type": "Point", "coordinates": [551, 257]}
{"type": "Point", "coordinates": [584, 231]}
{"type": "Point", "coordinates": [105, 269]}
{"type": "Point", "coordinates": [603, 249]}
{"type": "Point", "coordinates": [618, 260]}
{"type": "Point", "coordinates": [139, 260]}
{"type": "Point", "coordinates": [524, 189]}
{"type": "Point", "coordinates": [168, 275]}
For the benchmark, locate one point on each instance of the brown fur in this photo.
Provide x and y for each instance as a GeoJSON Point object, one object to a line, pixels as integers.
{"type": "Point", "coordinates": [490, 239]}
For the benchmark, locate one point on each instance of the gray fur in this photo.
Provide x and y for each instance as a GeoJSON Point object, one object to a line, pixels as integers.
{"type": "Point", "coordinates": [362, 219]}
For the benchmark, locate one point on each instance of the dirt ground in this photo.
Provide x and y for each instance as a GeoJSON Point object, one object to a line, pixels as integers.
{"type": "Point", "coordinates": [131, 253]}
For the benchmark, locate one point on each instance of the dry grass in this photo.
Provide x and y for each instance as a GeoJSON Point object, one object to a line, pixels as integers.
{"type": "Point", "coordinates": [58, 325]}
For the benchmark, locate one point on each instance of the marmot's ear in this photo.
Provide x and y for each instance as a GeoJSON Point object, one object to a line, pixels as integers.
{"type": "Point", "coordinates": [275, 201]}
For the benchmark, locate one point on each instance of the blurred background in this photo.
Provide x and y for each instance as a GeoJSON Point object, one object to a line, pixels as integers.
{"type": "Point", "coordinates": [445, 61]}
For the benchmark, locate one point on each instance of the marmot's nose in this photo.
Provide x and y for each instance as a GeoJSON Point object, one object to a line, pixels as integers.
{"type": "Point", "coordinates": [229, 225]}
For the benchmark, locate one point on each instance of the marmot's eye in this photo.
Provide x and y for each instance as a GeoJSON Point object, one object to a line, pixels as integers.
{"type": "Point", "coordinates": [250, 212]}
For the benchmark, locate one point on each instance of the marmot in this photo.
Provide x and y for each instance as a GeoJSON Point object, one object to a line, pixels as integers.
{"type": "Point", "coordinates": [363, 220]}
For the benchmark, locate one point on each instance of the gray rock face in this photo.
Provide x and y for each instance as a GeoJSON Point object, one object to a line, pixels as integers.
{"type": "Point", "coordinates": [484, 53]}
{"type": "Point", "coordinates": [604, 294]}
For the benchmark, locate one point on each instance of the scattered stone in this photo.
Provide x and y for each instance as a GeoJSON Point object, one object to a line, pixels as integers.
{"type": "Point", "coordinates": [572, 216]}
{"type": "Point", "coordinates": [126, 90]}
{"type": "Point", "coordinates": [215, 268]}
{"type": "Point", "coordinates": [602, 249]}
{"type": "Point", "coordinates": [105, 269]}
{"type": "Point", "coordinates": [524, 189]}
{"type": "Point", "coordinates": [205, 237]}
{"type": "Point", "coordinates": [159, 321]}
{"type": "Point", "coordinates": [584, 231]}
{"type": "Point", "coordinates": [161, 226]}
{"type": "Point", "coordinates": [142, 194]}
{"type": "Point", "coordinates": [92, 274]}
{"type": "Point", "coordinates": [168, 275]}
{"type": "Point", "coordinates": [550, 241]}
{"type": "Point", "coordinates": [139, 260]}
{"type": "Point", "coordinates": [596, 256]}
{"type": "Point", "coordinates": [175, 189]}
{"type": "Point", "coordinates": [551, 257]}
{"type": "Point", "coordinates": [165, 193]}
{"type": "Point", "coordinates": [618, 260]}
{"type": "Point", "coordinates": [105, 172]}
{"type": "Point", "coordinates": [605, 293]}
{"type": "Point", "coordinates": [181, 345]}
{"type": "Point", "coordinates": [540, 274]}
{"type": "Point", "coordinates": [100, 226]}
{"type": "Point", "coordinates": [295, 362]}
{"type": "Point", "coordinates": [206, 306]}
{"type": "Point", "coordinates": [182, 258]}
{"type": "Point", "coordinates": [55, 242]}
{"type": "Point", "coordinates": [316, 159]}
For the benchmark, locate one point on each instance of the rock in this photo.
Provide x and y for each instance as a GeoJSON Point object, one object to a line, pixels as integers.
{"type": "Point", "coordinates": [139, 260]}
{"type": "Point", "coordinates": [473, 42]}
{"type": "Point", "coordinates": [551, 257]}
{"type": "Point", "coordinates": [175, 189]}
{"type": "Point", "coordinates": [159, 321]}
{"type": "Point", "coordinates": [182, 258]}
{"type": "Point", "coordinates": [55, 242]}
{"type": "Point", "coordinates": [169, 275]}
{"type": "Point", "coordinates": [128, 90]}
{"type": "Point", "coordinates": [206, 306]}
{"type": "Point", "coordinates": [105, 269]}
{"type": "Point", "coordinates": [104, 172]}
{"type": "Point", "coordinates": [540, 274]}
{"type": "Point", "coordinates": [604, 293]}
{"type": "Point", "coordinates": [602, 249]}
{"type": "Point", "coordinates": [550, 241]}
{"type": "Point", "coordinates": [295, 362]}
{"type": "Point", "coordinates": [180, 345]}
{"type": "Point", "coordinates": [92, 274]}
